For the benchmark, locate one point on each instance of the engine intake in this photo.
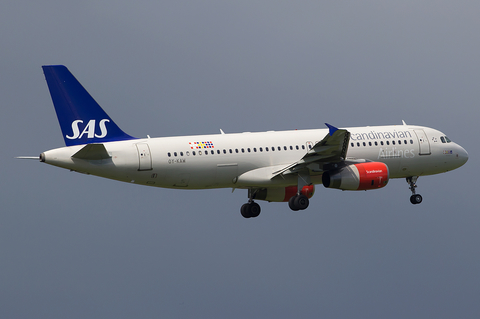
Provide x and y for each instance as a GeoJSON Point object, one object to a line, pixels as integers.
{"type": "Point", "coordinates": [363, 176]}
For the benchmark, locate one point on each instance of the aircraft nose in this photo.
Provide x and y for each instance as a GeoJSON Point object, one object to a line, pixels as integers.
{"type": "Point", "coordinates": [462, 155]}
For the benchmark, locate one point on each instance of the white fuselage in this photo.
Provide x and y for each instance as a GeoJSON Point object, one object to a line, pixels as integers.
{"type": "Point", "coordinates": [218, 161]}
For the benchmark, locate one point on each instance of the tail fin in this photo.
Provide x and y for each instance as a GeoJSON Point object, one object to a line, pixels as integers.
{"type": "Point", "coordinates": [81, 119]}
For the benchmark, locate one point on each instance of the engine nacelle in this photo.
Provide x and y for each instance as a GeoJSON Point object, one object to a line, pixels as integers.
{"type": "Point", "coordinates": [283, 194]}
{"type": "Point", "coordinates": [362, 176]}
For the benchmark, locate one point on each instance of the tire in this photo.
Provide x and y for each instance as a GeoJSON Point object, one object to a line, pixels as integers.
{"type": "Point", "coordinates": [245, 210]}
{"type": "Point", "coordinates": [301, 202]}
{"type": "Point", "coordinates": [291, 203]}
{"type": "Point", "coordinates": [255, 210]}
{"type": "Point", "coordinates": [416, 199]}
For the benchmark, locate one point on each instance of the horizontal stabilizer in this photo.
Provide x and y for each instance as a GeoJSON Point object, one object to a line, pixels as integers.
{"type": "Point", "coordinates": [92, 152]}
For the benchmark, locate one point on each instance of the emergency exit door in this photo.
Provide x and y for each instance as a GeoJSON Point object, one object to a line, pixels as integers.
{"type": "Point", "coordinates": [423, 142]}
{"type": "Point", "coordinates": [144, 157]}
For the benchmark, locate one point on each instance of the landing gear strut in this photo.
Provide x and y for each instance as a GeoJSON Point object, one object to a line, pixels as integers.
{"type": "Point", "coordinates": [415, 198]}
{"type": "Point", "coordinates": [300, 201]}
{"type": "Point", "coordinates": [250, 209]}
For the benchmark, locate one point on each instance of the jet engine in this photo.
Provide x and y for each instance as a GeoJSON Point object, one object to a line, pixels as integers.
{"type": "Point", "coordinates": [362, 176]}
{"type": "Point", "coordinates": [283, 194]}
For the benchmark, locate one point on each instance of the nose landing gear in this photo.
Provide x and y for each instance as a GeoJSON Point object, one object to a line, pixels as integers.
{"type": "Point", "coordinates": [415, 198]}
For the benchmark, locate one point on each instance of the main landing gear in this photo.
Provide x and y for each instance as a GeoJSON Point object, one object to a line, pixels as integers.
{"type": "Point", "coordinates": [250, 209]}
{"type": "Point", "coordinates": [415, 198]}
{"type": "Point", "coordinates": [298, 202]}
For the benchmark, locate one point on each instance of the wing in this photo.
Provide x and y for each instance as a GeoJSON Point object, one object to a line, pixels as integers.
{"type": "Point", "coordinates": [332, 149]}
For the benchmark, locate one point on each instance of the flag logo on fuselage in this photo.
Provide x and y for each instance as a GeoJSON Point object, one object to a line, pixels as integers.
{"type": "Point", "coordinates": [200, 145]}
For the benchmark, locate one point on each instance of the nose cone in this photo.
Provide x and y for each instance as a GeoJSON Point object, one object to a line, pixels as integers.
{"type": "Point", "coordinates": [462, 155]}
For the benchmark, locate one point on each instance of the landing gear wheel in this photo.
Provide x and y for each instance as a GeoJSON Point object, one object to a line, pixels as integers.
{"type": "Point", "coordinates": [245, 210]}
{"type": "Point", "coordinates": [301, 202]}
{"type": "Point", "coordinates": [416, 199]}
{"type": "Point", "coordinates": [298, 202]}
{"type": "Point", "coordinates": [250, 210]}
{"type": "Point", "coordinates": [254, 210]}
{"type": "Point", "coordinates": [291, 203]}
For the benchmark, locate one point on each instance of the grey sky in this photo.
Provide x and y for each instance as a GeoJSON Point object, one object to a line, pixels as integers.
{"type": "Point", "coordinates": [76, 246]}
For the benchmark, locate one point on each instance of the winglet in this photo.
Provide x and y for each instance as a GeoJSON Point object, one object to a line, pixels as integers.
{"type": "Point", "coordinates": [331, 129]}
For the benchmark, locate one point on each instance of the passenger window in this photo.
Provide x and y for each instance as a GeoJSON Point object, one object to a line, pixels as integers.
{"type": "Point", "coordinates": [206, 152]}
{"type": "Point", "coordinates": [199, 152]}
{"type": "Point", "coordinates": [303, 147]}
{"type": "Point", "coordinates": [254, 149]}
{"type": "Point", "coordinates": [376, 143]}
{"type": "Point", "coordinates": [248, 149]}
{"type": "Point", "coordinates": [388, 142]}
{"type": "Point", "coordinates": [236, 150]}
{"type": "Point", "coordinates": [411, 141]}
{"type": "Point", "coordinates": [291, 147]}
{"type": "Point", "coordinates": [381, 142]}
{"type": "Point", "coordinates": [364, 144]}
{"type": "Point", "coordinates": [193, 153]}
{"type": "Point", "coordinates": [243, 150]}
{"type": "Point", "coordinates": [266, 149]}
{"type": "Point", "coordinates": [181, 153]}
{"type": "Point", "coordinates": [393, 142]}
{"type": "Point", "coordinates": [212, 152]}
{"type": "Point", "coordinates": [399, 142]}
{"type": "Point", "coordinates": [174, 153]}
{"type": "Point", "coordinates": [169, 155]}
{"type": "Point", "coordinates": [405, 142]}
{"type": "Point", "coordinates": [261, 150]}
{"type": "Point", "coordinates": [273, 149]}
{"type": "Point", "coordinates": [224, 151]}
{"type": "Point", "coordinates": [230, 150]}
{"type": "Point", "coordinates": [188, 153]}
{"type": "Point", "coordinates": [285, 148]}
{"type": "Point", "coordinates": [218, 151]}
{"type": "Point", "coordinates": [358, 144]}
{"type": "Point", "coordinates": [296, 146]}
{"type": "Point", "coordinates": [279, 148]}
{"type": "Point", "coordinates": [352, 144]}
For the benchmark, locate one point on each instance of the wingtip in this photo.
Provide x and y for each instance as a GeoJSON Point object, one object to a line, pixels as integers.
{"type": "Point", "coordinates": [331, 129]}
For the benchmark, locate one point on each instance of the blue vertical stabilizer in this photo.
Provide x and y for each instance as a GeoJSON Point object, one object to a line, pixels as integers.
{"type": "Point", "coordinates": [81, 119]}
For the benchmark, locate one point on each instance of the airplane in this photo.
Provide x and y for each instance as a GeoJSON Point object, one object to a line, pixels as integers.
{"type": "Point", "coordinates": [274, 166]}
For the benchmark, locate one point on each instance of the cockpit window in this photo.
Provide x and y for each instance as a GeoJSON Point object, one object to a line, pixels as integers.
{"type": "Point", "coordinates": [443, 139]}
{"type": "Point", "coordinates": [448, 140]}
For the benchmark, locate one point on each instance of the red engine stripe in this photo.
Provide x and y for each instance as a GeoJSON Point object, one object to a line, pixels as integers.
{"type": "Point", "coordinates": [372, 175]}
